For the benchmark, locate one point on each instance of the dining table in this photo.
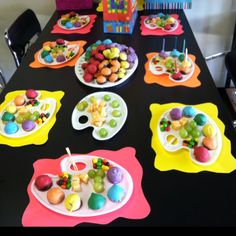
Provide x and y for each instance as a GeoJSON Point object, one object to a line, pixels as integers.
{"type": "Point", "coordinates": [176, 198]}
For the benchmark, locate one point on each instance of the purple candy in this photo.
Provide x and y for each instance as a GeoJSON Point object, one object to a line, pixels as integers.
{"type": "Point", "coordinates": [77, 24]}
{"type": "Point", "coordinates": [115, 175]}
{"type": "Point", "coordinates": [28, 125]}
{"type": "Point", "coordinates": [131, 58]}
{"type": "Point", "coordinates": [176, 114]}
{"type": "Point", "coordinates": [131, 50]}
{"type": "Point", "coordinates": [61, 58]}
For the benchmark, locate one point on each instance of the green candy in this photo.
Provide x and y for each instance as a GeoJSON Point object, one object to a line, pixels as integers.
{"type": "Point", "coordinates": [7, 117]}
{"type": "Point", "coordinates": [112, 123]}
{"type": "Point", "coordinates": [44, 53]}
{"type": "Point", "coordinates": [80, 106]}
{"type": "Point", "coordinates": [115, 104]}
{"type": "Point", "coordinates": [91, 174]}
{"type": "Point", "coordinates": [63, 22]}
{"type": "Point", "coordinates": [92, 99]}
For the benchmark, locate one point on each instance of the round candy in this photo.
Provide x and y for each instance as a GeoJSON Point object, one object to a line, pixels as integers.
{"type": "Point", "coordinates": [55, 196]}
{"type": "Point", "coordinates": [107, 98]}
{"type": "Point", "coordinates": [209, 130]}
{"type": "Point", "coordinates": [115, 104]}
{"type": "Point", "coordinates": [31, 93]}
{"type": "Point", "coordinates": [116, 193]}
{"type": "Point", "coordinates": [107, 41]}
{"type": "Point", "coordinates": [19, 100]}
{"type": "Point", "coordinates": [61, 58]}
{"type": "Point", "coordinates": [116, 113]}
{"type": "Point", "coordinates": [60, 41]}
{"type": "Point", "coordinates": [7, 117]}
{"type": "Point", "coordinates": [44, 53]}
{"type": "Point", "coordinates": [77, 24]}
{"type": "Point", "coordinates": [96, 201]}
{"type": "Point", "coordinates": [48, 59]}
{"type": "Point", "coordinates": [69, 25]}
{"type": "Point", "coordinates": [11, 128]}
{"type": "Point", "coordinates": [176, 114]}
{"type": "Point", "coordinates": [209, 143]}
{"type": "Point", "coordinates": [115, 175]}
{"type": "Point", "coordinates": [28, 125]}
{"type": "Point", "coordinates": [201, 154]}
{"type": "Point", "coordinates": [189, 111]}
{"type": "Point", "coordinates": [112, 123]}
{"type": "Point", "coordinates": [200, 119]}
{"type": "Point", "coordinates": [103, 132]}
{"type": "Point", "coordinates": [43, 182]}
{"type": "Point", "coordinates": [72, 202]}
{"type": "Point", "coordinates": [11, 109]}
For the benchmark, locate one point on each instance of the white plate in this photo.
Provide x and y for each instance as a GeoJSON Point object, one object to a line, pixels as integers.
{"type": "Point", "coordinates": [153, 27]}
{"type": "Point", "coordinates": [111, 131]}
{"type": "Point", "coordinates": [85, 211]}
{"type": "Point", "coordinates": [214, 154]}
{"type": "Point", "coordinates": [153, 70]}
{"type": "Point", "coordinates": [74, 28]}
{"type": "Point", "coordinates": [80, 73]}
{"type": "Point", "coordinates": [55, 63]}
{"type": "Point", "coordinates": [21, 133]}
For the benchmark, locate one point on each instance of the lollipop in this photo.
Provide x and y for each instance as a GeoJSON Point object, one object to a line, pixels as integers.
{"type": "Point", "coordinates": [163, 53]}
{"type": "Point", "coordinates": [175, 52]}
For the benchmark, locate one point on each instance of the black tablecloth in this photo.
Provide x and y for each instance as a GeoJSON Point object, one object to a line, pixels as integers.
{"type": "Point", "coordinates": [176, 198]}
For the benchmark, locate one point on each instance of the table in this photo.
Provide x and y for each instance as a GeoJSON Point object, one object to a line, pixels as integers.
{"type": "Point", "coordinates": [176, 198]}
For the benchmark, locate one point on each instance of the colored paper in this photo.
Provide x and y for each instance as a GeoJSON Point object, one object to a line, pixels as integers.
{"type": "Point", "coordinates": [37, 64]}
{"type": "Point", "coordinates": [167, 4]}
{"type": "Point", "coordinates": [180, 160]}
{"type": "Point", "coordinates": [38, 215]}
{"type": "Point", "coordinates": [164, 80]}
{"type": "Point", "coordinates": [40, 136]}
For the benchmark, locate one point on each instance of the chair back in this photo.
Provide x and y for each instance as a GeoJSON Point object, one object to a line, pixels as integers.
{"type": "Point", "coordinates": [19, 34]}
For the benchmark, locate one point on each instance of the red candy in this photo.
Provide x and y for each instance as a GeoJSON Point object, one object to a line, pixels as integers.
{"type": "Point", "coordinates": [88, 77]}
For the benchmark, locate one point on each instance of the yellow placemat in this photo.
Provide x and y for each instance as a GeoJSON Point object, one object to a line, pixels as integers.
{"type": "Point", "coordinates": [180, 160]}
{"type": "Point", "coordinates": [40, 136]}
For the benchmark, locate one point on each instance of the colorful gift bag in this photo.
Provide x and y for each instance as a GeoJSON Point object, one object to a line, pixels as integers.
{"type": "Point", "coordinates": [119, 16]}
{"type": "Point", "coordinates": [167, 4]}
{"type": "Point", "coordinates": [73, 4]}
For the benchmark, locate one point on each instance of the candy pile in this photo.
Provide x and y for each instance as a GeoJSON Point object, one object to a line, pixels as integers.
{"type": "Point", "coordinates": [99, 163]}
{"type": "Point", "coordinates": [64, 180]}
{"type": "Point", "coordinates": [107, 61]}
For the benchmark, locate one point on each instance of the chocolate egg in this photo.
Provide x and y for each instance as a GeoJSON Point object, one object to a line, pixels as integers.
{"type": "Point", "coordinates": [209, 143]}
{"type": "Point", "coordinates": [200, 119]}
{"type": "Point", "coordinates": [201, 154]}
{"type": "Point", "coordinates": [28, 125]}
{"type": "Point", "coordinates": [115, 175]}
{"type": "Point", "coordinates": [43, 182]}
{"type": "Point", "coordinates": [31, 93]}
{"type": "Point", "coordinates": [116, 193]}
{"type": "Point", "coordinates": [96, 201]}
{"type": "Point", "coordinates": [209, 130]}
{"type": "Point", "coordinates": [11, 109]}
{"type": "Point", "coordinates": [175, 114]}
{"type": "Point", "coordinates": [11, 128]}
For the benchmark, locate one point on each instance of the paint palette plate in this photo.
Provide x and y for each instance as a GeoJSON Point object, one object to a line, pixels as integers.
{"type": "Point", "coordinates": [159, 66]}
{"type": "Point", "coordinates": [83, 19]}
{"type": "Point", "coordinates": [152, 24]}
{"type": "Point", "coordinates": [46, 106]}
{"type": "Point", "coordinates": [86, 189]}
{"type": "Point", "coordinates": [101, 110]}
{"type": "Point", "coordinates": [173, 138]}
{"type": "Point", "coordinates": [70, 51]}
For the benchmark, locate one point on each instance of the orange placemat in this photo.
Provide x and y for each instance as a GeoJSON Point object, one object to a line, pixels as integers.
{"type": "Point", "coordinates": [159, 31]}
{"type": "Point", "coordinates": [41, 136]}
{"type": "Point", "coordinates": [180, 159]}
{"type": "Point", "coordinates": [37, 64]}
{"type": "Point", "coordinates": [164, 80]}
{"type": "Point", "coordinates": [58, 30]}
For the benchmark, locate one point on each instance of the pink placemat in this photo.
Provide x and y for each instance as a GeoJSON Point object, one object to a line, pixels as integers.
{"type": "Point", "coordinates": [159, 31]}
{"type": "Point", "coordinates": [84, 30]}
{"type": "Point", "coordinates": [137, 206]}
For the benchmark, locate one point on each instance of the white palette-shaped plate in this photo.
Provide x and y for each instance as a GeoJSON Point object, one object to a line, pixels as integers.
{"type": "Point", "coordinates": [79, 71]}
{"type": "Point", "coordinates": [85, 211]}
{"type": "Point", "coordinates": [111, 131]}
{"type": "Point", "coordinates": [75, 28]}
{"type": "Point", "coordinates": [154, 71]}
{"type": "Point", "coordinates": [153, 27]}
{"type": "Point", "coordinates": [55, 63]}
{"type": "Point", "coordinates": [214, 154]}
{"type": "Point", "coordinates": [21, 133]}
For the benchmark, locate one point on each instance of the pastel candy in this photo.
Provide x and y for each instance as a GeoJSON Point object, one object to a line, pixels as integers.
{"type": "Point", "coordinates": [48, 59]}
{"type": "Point", "coordinates": [107, 41]}
{"type": "Point", "coordinates": [28, 125]}
{"type": "Point", "coordinates": [209, 130]}
{"type": "Point", "coordinates": [96, 201]}
{"type": "Point", "coordinates": [11, 128]}
{"type": "Point", "coordinates": [116, 193]}
{"type": "Point", "coordinates": [189, 111]}
{"type": "Point", "coordinates": [68, 25]}
{"type": "Point", "coordinates": [176, 114]}
{"type": "Point", "coordinates": [7, 116]}
{"type": "Point", "coordinates": [200, 119]}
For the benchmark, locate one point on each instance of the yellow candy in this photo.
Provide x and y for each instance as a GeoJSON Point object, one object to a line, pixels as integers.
{"type": "Point", "coordinates": [124, 64]}
{"type": "Point", "coordinates": [209, 131]}
{"type": "Point", "coordinates": [183, 121]}
{"type": "Point", "coordinates": [105, 168]}
{"type": "Point", "coordinates": [95, 160]}
{"type": "Point", "coordinates": [11, 109]}
{"type": "Point", "coordinates": [47, 48]}
{"type": "Point", "coordinates": [176, 125]}
{"type": "Point", "coordinates": [44, 118]}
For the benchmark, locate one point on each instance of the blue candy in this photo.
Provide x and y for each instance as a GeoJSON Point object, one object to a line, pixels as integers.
{"type": "Point", "coordinates": [107, 41]}
{"type": "Point", "coordinates": [174, 53]}
{"type": "Point", "coordinates": [11, 128]}
{"type": "Point", "coordinates": [189, 111]}
{"type": "Point", "coordinates": [48, 59]}
{"type": "Point", "coordinates": [69, 25]}
{"type": "Point", "coordinates": [98, 42]}
{"type": "Point", "coordinates": [116, 193]}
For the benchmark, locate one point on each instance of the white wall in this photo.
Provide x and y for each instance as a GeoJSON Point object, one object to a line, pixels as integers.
{"type": "Point", "coordinates": [212, 22]}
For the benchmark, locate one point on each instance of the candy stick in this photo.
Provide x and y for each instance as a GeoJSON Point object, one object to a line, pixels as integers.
{"type": "Point", "coordinates": [184, 46]}
{"type": "Point", "coordinates": [163, 45]}
{"type": "Point", "coordinates": [71, 160]}
{"type": "Point", "coordinates": [186, 55]}
{"type": "Point", "coordinates": [176, 39]}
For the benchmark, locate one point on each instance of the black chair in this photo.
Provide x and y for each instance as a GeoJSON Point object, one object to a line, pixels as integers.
{"type": "Point", "coordinates": [19, 34]}
{"type": "Point", "coordinates": [230, 63]}
{"type": "Point", "coordinates": [3, 79]}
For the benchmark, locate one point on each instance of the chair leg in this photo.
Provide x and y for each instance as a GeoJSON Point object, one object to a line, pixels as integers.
{"type": "Point", "coordinates": [228, 79]}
